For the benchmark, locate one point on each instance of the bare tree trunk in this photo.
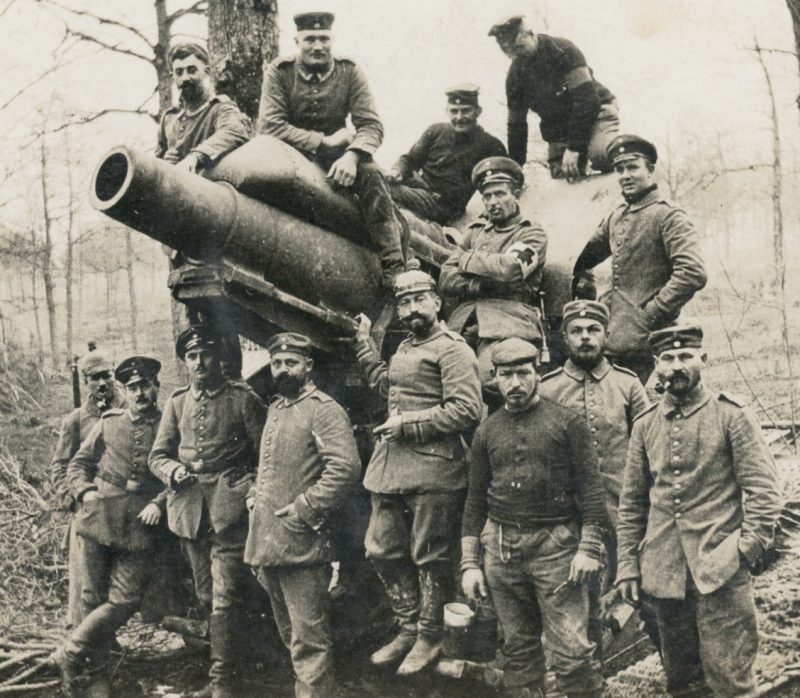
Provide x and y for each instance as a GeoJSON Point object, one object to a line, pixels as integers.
{"type": "Point", "coordinates": [35, 303]}
{"type": "Point", "coordinates": [242, 40]}
{"type": "Point", "coordinates": [70, 257]}
{"type": "Point", "coordinates": [47, 257]}
{"type": "Point", "coordinates": [161, 56]}
{"type": "Point", "coordinates": [131, 288]}
{"type": "Point", "coordinates": [108, 301]}
{"type": "Point", "coordinates": [794, 11]}
{"type": "Point", "coordinates": [777, 234]}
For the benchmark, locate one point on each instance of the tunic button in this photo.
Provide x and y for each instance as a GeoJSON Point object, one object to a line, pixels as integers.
{"type": "Point", "coordinates": [676, 430]}
{"type": "Point", "coordinates": [596, 443]}
{"type": "Point", "coordinates": [677, 515]}
{"type": "Point", "coordinates": [676, 443]}
{"type": "Point", "coordinates": [593, 430]}
{"type": "Point", "coordinates": [676, 458]}
{"type": "Point", "coordinates": [200, 450]}
{"type": "Point", "coordinates": [591, 416]}
{"type": "Point", "coordinates": [676, 472]}
{"type": "Point", "coordinates": [677, 485]}
{"type": "Point", "coordinates": [677, 500]}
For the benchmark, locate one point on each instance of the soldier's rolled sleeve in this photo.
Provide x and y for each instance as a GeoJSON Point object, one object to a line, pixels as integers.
{"type": "Point", "coordinates": [588, 486]}
{"type": "Point", "coordinates": [688, 272]}
{"type": "Point", "coordinates": [336, 445]}
{"type": "Point", "coordinates": [461, 403]}
{"type": "Point", "coordinates": [376, 372]}
{"type": "Point", "coordinates": [160, 500]}
{"type": "Point", "coordinates": [758, 478]}
{"type": "Point", "coordinates": [364, 115]}
{"type": "Point", "coordinates": [274, 115]}
{"type": "Point", "coordinates": [231, 129]}
{"type": "Point", "coordinates": [634, 505]}
{"type": "Point", "coordinates": [82, 468]}
{"type": "Point", "coordinates": [163, 457]}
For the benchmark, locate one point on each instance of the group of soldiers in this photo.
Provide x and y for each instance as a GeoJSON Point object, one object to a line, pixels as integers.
{"type": "Point", "coordinates": [535, 483]}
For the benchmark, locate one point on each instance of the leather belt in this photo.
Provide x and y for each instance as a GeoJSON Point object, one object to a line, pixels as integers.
{"type": "Point", "coordinates": [132, 486]}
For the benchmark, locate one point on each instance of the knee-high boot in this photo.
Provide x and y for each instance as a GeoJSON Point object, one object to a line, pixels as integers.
{"type": "Point", "coordinates": [399, 579]}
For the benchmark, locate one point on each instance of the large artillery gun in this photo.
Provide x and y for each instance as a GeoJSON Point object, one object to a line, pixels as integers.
{"type": "Point", "coordinates": [263, 243]}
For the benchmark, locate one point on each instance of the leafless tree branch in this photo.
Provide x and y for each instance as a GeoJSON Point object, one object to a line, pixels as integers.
{"type": "Point", "coordinates": [100, 20]}
{"type": "Point", "coordinates": [118, 47]}
{"type": "Point", "coordinates": [198, 8]}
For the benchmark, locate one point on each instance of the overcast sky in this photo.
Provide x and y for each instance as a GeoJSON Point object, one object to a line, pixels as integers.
{"type": "Point", "coordinates": [678, 67]}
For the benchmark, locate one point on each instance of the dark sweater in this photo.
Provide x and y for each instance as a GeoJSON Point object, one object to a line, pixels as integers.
{"type": "Point", "coordinates": [532, 469]}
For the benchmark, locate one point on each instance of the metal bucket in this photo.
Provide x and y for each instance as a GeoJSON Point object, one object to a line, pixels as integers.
{"type": "Point", "coordinates": [458, 619]}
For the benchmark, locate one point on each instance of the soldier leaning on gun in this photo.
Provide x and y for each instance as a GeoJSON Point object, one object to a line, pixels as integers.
{"type": "Point", "coordinates": [119, 504]}
{"type": "Point", "coordinates": [417, 473]}
{"type": "Point", "coordinates": [101, 395]}
{"type": "Point", "coordinates": [697, 515]}
{"type": "Point", "coordinates": [204, 126]}
{"type": "Point", "coordinates": [656, 265]}
{"type": "Point", "coordinates": [496, 272]}
{"type": "Point", "coordinates": [206, 453]}
{"type": "Point", "coordinates": [305, 101]}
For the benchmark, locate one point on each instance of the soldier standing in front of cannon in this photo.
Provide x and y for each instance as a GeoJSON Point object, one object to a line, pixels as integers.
{"type": "Point", "coordinates": [549, 76]}
{"type": "Point", "coordinates": [433, 179]}
{"type": "Point", "coordinates": [608, 397]}
{"type": "Point", "coordinates": [206, 453]}
{"type": "Point", "coordinates": [417, 473]}
{"type": "Point", "coordinates": [204, 126]}
{"type": "Point", "coordinates": [698, 511]}
{"type": "Point", "coordinates": [656, 265]}
{"type": "Point", "coordinates": [305, 101]}
{"type": "Point", "coordinates": [535, 509]}
{"type": "Point", "coordinates": [101, 395]}
{"type": "Point", "coordinates": [308, 463]}
{"type": "Point", "coordinates": [119, 502]}
{"type": "Point", "coordinates": [497, 269]}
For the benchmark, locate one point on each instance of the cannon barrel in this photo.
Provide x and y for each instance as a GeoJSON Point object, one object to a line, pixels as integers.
{"type": "Point", "coordinates": [213, 222]}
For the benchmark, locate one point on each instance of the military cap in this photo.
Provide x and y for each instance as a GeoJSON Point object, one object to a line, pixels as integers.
{"type": "Point", "coordinates": [497, 169]}
{"type": "Point", "coordinates": [136, 369]}
{"type": "Point", "coordinates": [188, 49]}
{"type": "Point", "coordinates": [94, 362]}
{"type": "Point", "coordinates": [309, 21]}
{"type": "Point", "coordinates": [413, 280]}
{"type": "Point", "coordinates": [626, 147]}
{"type": "Point", "coordinates": [584, 309]}
{"type": "Point", "coordinates": [465, 93]}
{"type": "Point", "coordinates": [291, 342]}
{"type": "Point", "coordinates": [195, 336]}
{"type": "Point", "coordinates": [514, 351]}
{"type": "Point", "coordinates": [675, 337]}
{"type": "Point", "coordinates": [507, 28]}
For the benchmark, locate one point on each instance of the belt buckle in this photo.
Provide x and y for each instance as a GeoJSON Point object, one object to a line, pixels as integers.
{"type": "Point", "coordinates": [132, 486]}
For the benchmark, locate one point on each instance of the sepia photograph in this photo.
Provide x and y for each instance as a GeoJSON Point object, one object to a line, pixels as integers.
{"type": "Point", "coordinates": [400, 348]}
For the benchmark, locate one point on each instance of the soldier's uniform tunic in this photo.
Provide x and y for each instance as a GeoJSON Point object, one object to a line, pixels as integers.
{"type": "Point", "coordinates": [308, 457]}
{"type": "Point", "coordinates": [495, 274]}
{"type": "Point", "coordinates": [700, 492]}
{"type": "Point", "coordinates": [656, 268]}
{"type": "Point", "coordinates": [116, 547]}
{"type": "Point", "coordinates": [214, 434]}
{"type": "Point", "coordinates": [214, 129]}
{"type": "Point", "coordinates": [437, 171]}
{"type": "Point", "coordinates": [75, 427]}
{"type": "Point", "coordinates": [301, 108]}
{"type": "Point", "coordinates": [417, 483]}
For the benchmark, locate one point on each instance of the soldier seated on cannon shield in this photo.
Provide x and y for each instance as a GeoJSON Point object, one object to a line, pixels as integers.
{"type": "Point", "coordinates": [497, 270]}
{"type": "Point", "coordinates": [305, 101]}
{"type": "Point", "coordinates": [204, 126]}
{"type": "Point", "coordinates": [433, 179]}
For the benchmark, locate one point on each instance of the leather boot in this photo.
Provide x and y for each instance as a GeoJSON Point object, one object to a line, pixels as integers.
{"type": "Point", "coordinates": [399, 579]}
{"type": "Point", "coordinates": [436, 587]}
{"type": "Point", "coordinates": [224, 670]}
{"type": "Point", "coordinates": [68, 669]}
{"type": "Point", "coordinates": [186, 626]}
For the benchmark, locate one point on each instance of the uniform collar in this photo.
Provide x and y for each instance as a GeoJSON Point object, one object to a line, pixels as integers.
{"type": "Point", "coordinates": [197, 394]}
{"type": "Point", "coordinates": [308, 389]}
{"type": "Point", "coordinates": [534, 404]}
{"type": "Point", "coordinates": [440, 327]}
{"type": "Point", "coordinates": [511, 224]}
{"type": "Point", "coordinates": [147, 418]}
{"type": "Point", "coordinates": [671, 407]}
{"type": "Point", "coordinates": [309, 76]}
{"type": "Point", "coordinates": [649, 198]}
{"type": "Point", "coordinates": [577, 373]}
{"type": "Point", "coordinates": [194, 112]}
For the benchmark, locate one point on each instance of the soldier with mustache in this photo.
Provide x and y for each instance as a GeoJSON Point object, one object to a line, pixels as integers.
{"type": "Point", "coordinates": [697, 516]}
{"type": "Point", "coordinates": [496, 271]}
{"type": "Point", "coordinates": [204, 126]}
{"type": "Point", "coordinates": [417, 473]}
{"type": "Point", "coordinates": [206, 452]}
